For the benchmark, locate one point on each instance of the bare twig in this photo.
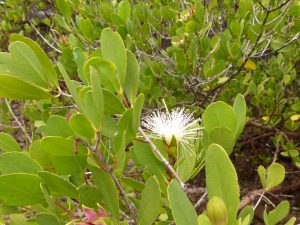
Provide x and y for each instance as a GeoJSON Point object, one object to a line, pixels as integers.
{"type": "Point", "coordinates": [128, 203]}
{"type": "Point", "coordinates": [201, 200]}
{"type": "Point", "coordinates": [94, 149]}
{"type": "Point", "coordinates": [43, 38]}
{"type": "Point", "coordinates": [162, 158]}
{"type": "Point", "coordinates": [17, 121]}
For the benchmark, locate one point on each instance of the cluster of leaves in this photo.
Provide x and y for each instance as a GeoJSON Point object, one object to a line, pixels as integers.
{"type": "Point", "coordinates": [87, 158]}
{"type": "Point", "coordinates": [207, 50]}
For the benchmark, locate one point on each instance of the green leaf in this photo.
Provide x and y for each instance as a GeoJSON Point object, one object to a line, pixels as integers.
{"type": "Point", "coordinates": [82, 127]}
{"type": "Point", "coordinates": [90, 196]}
{"type": "Point", "coordinates": [46, 219]}
{"type": "Point", "coordinates": [90, 108]}
{"type": "Point", "coordinates": [203, 220]}
{"type": "Point", "coordinates": [8, 143]}
{"type": "Point", "coordinates": [279, 213]}
{"type": "Point", "coordinates": [131, 84]}
{"type": "Point", "coordinates": [20, 189]}
{"type": "Point", "coordinates": [79, 58]}
{"type": "Point", "coordinates": [37, 153]}
{"type": "Point", "coordinates": [149, 204]}
{"type": "Point", "coordinates": [58, 185]}
{"type": "Point", "coordinates": [59, 146]}
{"type": "Point", "coordinates": [124, 10]}
{"type": "Point", "coordinates": [146, 158]}
{"type": "Point", "coordinates": [186, 164]}
{"type": "Point", "coordinates": [275, 175]}
{"type": "Point", "coordinates": [221, 179]}
{"type": "Point", "coordinates": [57, 126]}
{"type": "Point", "coordinates": [182, 209]}
{"type": "Point", "coordinates": [108, 190]}
{"type": "Point", "coordinates": [48, 68]}
{"type": "Point", "coordinates": [291, 221]}
{"type": "Point", "coordinates": [135, 185]}
{"type": "Point", "coordinates": [63, 156]}
{"type": "Point", "coordinates": [27, 65]}
{"type": "Point", "coordinates": [64, 8]}
{"type": "Point", "coordinates": [72, 88]}
{"type": "Point", "coordinates": [97, 96]}
{"type": "Point", "coordinates": [240, 109]}
{"type": "Point", "coordinates": [113, 49]}
{"type": "Point", "coordinates": [112, 104]}
{"type": "Point", "coordinates": [137, 111]}
{"type": "Point", "coordinates": [222, 136]}
{"type": "Point", "coordinates": [106, 70]}
{"type": "Point", "coordinates": [15, 88]}
{"type": "Point", "coordinates": [262, 175]}
{"type": "Point", "coordinates": [219, 114]}
{"type": "Point", "coordinates": [18, 162]}
{"type": "Point", "coordinates": [245, 212]}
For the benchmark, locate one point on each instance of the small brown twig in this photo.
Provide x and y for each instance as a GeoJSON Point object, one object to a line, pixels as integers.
{"type": "Point", "coordinates": [65, 209]}
{"type": "Point", "coordinates": [250, 197]}
{"type": "Point", "coordinates": [17, 121]}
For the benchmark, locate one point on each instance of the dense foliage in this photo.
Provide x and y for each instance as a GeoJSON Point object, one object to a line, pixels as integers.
{"type": "Point", "coordinates": [116, 112]}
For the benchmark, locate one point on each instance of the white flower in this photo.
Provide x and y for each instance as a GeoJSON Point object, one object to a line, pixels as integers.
{"type": "Point", "coordinates": [179, 123]}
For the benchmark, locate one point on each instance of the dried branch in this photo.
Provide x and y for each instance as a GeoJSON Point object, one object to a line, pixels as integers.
{"type": "Point", "coordinates": [43, 38]}
{"type": "Point", "coordinates": [17, 121]}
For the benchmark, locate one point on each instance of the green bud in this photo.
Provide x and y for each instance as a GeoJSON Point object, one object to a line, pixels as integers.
{"type": "Point", "coordinates": [171, 148]}
{"type": "Point", "coordinates": [217, 211]}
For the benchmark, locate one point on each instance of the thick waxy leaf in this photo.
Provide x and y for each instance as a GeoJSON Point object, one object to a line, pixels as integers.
{"type": "Point", "coordinates": [279, 213]}
{"type": "Point", "coordinates": [48, 68]}
{"type": "Point", "coordinates": [240, 109]}
{"type": "Point", "coordinates": [65, 156]}
{"type": "Point", "coordinates": [37, 153]}
{"type": "Point", "coordinates": [15, 88]}
{"type": "Point", "coordinates": [72, 88]}
{"type": "Point", "coordinates": [182, 209]}
{"type": "Point", "coordinates": [18, 162]}
{"type": "Point", "coordinates": [137, 111]}
{"type": "Point", "coordinates": [112, 49]}
{"type": "Point", "coordinates": [90, 196]}
{"type": "Point", "coordinates": [222, 136]}
{"type": "Point", "coordinates": [20, 189]}
{"type": "Point", "coordinates": [203, 220]}
{"type": "Point", "coordinates": [124, 10]}
{"type": "Point", "coordinates": [219, 114]}
{"type": "Point", "coordinates": [46, 219]}
{"type": "Point", "coordinates": [97, 96]}
{"type": "Point", "coordinates": [106, 70]}
{"type": "Point", "coordinates": [8, 143]}
{"type": "Point", "coordinates": [221, 179]}
{"type": "Point", "coordinates": [248, 211]}
{"type": "Point", "coordinates": [58, 185]}
{"type": "Point", "coordinates": [108, 190]}
{"type": "Point", "coordinates": [145, 157]}
{"type": "Point", "coordinates": [58, 126]}
{"type": "Point", "coordinates": [275, 175]}
{"type": "Point", "coordinates": [149, 205]}
{"type": "Point", "coordinates": [112, 104]}
{"type": "Point", "coordinates": [81, 126]}
{"type": "Point", "coordinates": [27, 65]}
{"type": "Point", "coordinates": [131, 84]}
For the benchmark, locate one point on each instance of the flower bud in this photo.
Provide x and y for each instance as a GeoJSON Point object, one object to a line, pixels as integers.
{"type": "Point", "coordinates": [217, 211]}
{"type": "Point", "coordinates": [170, 146]}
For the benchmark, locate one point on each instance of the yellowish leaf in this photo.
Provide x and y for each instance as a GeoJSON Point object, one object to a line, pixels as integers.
{"type": "Point", "coordinates": [266, 118]}
{"type": "Point", "coordinates": [250, 65]}
{"type": "Point", "coordinates": [295, 117]}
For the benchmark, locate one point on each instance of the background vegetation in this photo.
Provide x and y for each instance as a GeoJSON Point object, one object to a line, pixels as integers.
{"type": "Point", "coordinates": [189, 53]}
